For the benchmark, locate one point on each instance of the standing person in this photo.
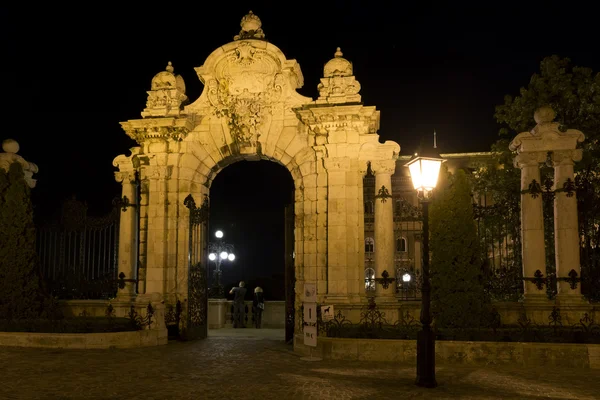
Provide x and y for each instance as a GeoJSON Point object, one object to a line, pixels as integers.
{"type": "Point", "coordinates": [258, 303]}
{"type": "Point", "coordinates": [238, 305]}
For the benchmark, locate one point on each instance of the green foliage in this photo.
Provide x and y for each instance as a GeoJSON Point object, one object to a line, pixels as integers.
{"type": "Point", "coordinates": [20, 294]}
{"type": "Point", "coordinates": [458, 296]}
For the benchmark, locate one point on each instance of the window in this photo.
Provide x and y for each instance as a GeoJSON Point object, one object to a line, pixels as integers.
{"type": "Point", "coordinates": [369, 279]}
{"type": "Point", "coordinates": [368, 207]}
{"type": "Point", "coordinates": [401, 245]}
{"type": "Point", "coordinates": [369, 245]}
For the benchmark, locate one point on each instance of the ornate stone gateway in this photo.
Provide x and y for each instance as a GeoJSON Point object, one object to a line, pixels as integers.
{"type": "Point", "coordinates": [250, 110]}
{"type": "Point", "coordinates": [196, 326]}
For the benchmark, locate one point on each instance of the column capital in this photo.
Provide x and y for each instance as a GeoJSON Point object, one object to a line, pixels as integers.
{"type": "Point", "coordinates": [529, 159]}
{"type": "Point", "coordinates": [383, 167]}
{"type": "Point", "coordinates": [566, 157]}
{"type": "Point", "coordinates": [125, 176]}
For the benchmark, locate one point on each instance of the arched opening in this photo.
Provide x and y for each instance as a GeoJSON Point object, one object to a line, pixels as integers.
{"type": "Point", "coordinates": [251, 203]}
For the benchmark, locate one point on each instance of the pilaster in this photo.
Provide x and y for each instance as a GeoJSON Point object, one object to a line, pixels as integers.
{"type": "Point", "coordinates": [384, 225]}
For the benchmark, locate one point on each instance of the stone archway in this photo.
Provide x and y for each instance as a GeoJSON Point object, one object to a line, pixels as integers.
{"type": "Point", "coordinates": [249, 109]}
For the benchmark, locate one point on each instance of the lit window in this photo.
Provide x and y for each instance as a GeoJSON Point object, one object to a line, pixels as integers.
{"type": "Point", "coordinates": [401, 245]}
{"type": "Point", "coordinates": [369, 279]}
{"type": "Point", "coordinates": [369, 245]}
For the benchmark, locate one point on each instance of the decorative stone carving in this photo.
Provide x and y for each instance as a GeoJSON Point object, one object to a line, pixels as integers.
{"type": "Point", "coordinates": [251, 28]}
{"type": "Point", "coordinates": [528, 159]}
{"type": "Point", "coordinates": [546, 135]}
{"type": "Point", "coordinates": [11, 148]}
{"type": "Point", "coordinates": [163, 128]}
{"type": "Point", "coordinates": [338, 84]}
{"type": "Point", "coordinates": [246, 91]}
{"type": "Point", "coordinates": [566, 157]}
{"type": "Point", "coordinates": [167, 94]}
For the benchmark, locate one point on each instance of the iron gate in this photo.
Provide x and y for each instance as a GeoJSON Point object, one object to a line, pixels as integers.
{"type": "Point", "coordinates": [78, 254]}
{"type": "Point", "coordinates": [197, 300]}
{"type": "Point", "coordinates": [290, 278]}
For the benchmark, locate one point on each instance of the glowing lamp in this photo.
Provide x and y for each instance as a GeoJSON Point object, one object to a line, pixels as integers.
{"type": "Point", "coordinates": [424, 171]}
{"type": "Point", "coordinates": [406, 278]}
{"type": "Point", "coordinates": [212, 256]}
{"type": "Point", "coordinates": [224, 255]}
{"type": "Point", "coordinates": [231, 257]}
{"type": "Point", "coordinates": [219, 234]}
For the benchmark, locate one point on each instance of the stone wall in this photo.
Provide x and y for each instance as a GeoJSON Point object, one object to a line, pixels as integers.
{"type": "Point", "coordinates": [454, 352]}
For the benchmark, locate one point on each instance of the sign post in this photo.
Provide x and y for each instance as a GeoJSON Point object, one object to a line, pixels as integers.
{"type": "Point", "coordinates": [310, 320]}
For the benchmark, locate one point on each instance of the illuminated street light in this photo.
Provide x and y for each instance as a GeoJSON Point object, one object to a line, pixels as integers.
{"type": "Point", "coordinates": [406, 278]}
{"type": "Point", "coordinates": [219, 251]}
{"type": "Point", "coordinates": [424, 170]}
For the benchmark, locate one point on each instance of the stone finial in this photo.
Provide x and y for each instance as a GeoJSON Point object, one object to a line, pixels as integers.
{"type": "Point", "coordinates": [338, 84]}
{"type": "Point", "coordinates": [10, 146]}
{"type": "Point", "coordinates": [167, 94]}
{"type": "Point", "coordinates": [546, 136]}
{"type": "Point", "coordinates": [10, 156]}
{"type": "Point", "coordinates": [544, 114]}
{"type": "Point", "coordinates": [251, 27]}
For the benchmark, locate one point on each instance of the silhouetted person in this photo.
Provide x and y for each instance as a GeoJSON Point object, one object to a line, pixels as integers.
{"type": "Point", "coordinates": [259, 305]}
{"type": "Point", "coordinates": [238, 305]}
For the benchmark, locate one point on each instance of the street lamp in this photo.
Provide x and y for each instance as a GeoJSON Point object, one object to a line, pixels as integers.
{"type": "Point", "coordinates": [424, 170]}
{"type": "Point", "coordinates": [219, 251]}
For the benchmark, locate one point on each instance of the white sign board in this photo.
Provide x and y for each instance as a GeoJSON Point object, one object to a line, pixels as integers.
{"type": "Point", "coordinates": [327, 313]}
{"type": "Point", "coordinates": [310, 313]}
{"type": "Point", "coordinates": [310, 336]}
{"type": "Point", "coordinates": [310, 293]}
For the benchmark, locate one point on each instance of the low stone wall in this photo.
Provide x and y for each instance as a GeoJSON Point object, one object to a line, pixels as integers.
{"type": "Point", "coordinates": [119, 340]}
{"type": "Point", "coordinates": [220, 316]}
{"type": "Point", "coordinates": [455, 352]}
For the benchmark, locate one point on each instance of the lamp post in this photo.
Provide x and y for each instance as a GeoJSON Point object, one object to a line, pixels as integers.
{"type": "Point", "coordinates": [424, 170]}
{"type": "Point", "coordinates": [219, 251]}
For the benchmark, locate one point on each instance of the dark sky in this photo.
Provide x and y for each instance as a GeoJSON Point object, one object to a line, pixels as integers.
{"type": "Point", "coordinates": [72, 73]}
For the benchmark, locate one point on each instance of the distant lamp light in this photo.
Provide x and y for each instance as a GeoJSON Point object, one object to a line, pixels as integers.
{"type": "Point", "coordinates": [212, 256]}
{"type": "Point", "coordinates": [231, 257]}
{"type": "Point", "coordinates": [406, 277]}
{"type": "Point", "coordinates": [224, 255]}
{"type": "Point", "coordinates": [219, 234]}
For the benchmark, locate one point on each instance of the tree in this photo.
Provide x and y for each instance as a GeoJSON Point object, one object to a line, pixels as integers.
{"type": "Point", "coordinates": [574, 94]}
{"type": "Point", "coordinates": [20, 294]}
{"type": "Point", "coordinates": [458, 295]}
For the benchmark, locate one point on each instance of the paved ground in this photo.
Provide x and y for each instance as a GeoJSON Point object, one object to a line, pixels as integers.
{"type": "Point", "coordinates": [242, 365]}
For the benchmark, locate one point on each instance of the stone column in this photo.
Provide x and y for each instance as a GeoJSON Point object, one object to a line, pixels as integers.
{"type": "Point", "coordinates": [532, 222]}
{"type": "Point", "coordinates": [566, 228]}
{"type": "Point", "coordinates": [128, 233]}
{"type": "Point", "coordinates": [384, 225]}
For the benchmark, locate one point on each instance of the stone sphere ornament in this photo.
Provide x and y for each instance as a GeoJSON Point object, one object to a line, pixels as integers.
{"type": "Point", "coordinates": [10, 146]}
{"type": "Point", "coordinates": [544, 114]}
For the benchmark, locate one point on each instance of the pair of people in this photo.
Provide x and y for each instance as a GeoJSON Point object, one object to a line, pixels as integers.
{"type": "Point", "coordinates": [239, 306]}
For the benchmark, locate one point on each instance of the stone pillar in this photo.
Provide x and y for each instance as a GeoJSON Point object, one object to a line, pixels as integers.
{"type": "Point", "coordinates": [533, 148]}
{"type": "Point", "coordinates": [566, 228]}
{"type": "Point", "coordinates": [128, 233]}
{"type": "Point", "coordinates": [384, 225]}
{"type": "Point", "coordinates": [532, 222]}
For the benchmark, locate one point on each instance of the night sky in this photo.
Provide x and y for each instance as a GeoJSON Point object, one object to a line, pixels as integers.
{"type": "Point", "coordinates": [72, 73]}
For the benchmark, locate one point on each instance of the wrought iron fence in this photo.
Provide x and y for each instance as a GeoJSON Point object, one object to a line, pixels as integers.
{"type": "Point", "coordinates": [374, 324]}
{"type": "Point", "coordinates": [78, 254]}
{"type": "Point", "coordinates": [499, 233]}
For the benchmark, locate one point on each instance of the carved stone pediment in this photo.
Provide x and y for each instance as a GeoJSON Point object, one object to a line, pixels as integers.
{"type": "Point", "coordinates": [246, 90]}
